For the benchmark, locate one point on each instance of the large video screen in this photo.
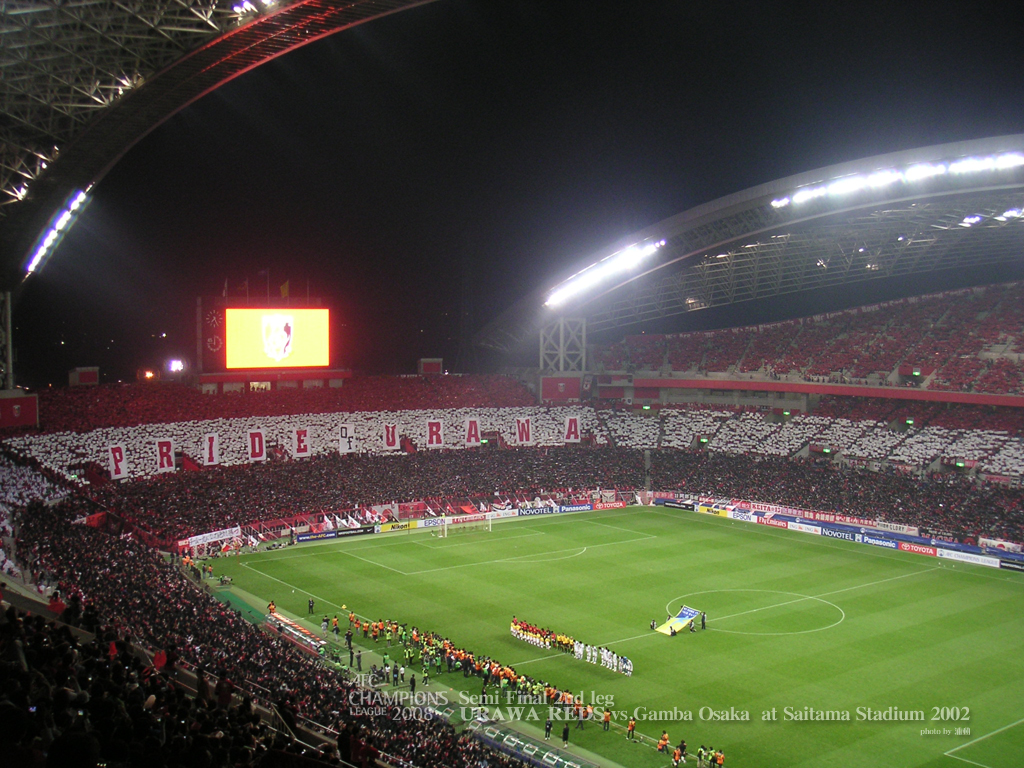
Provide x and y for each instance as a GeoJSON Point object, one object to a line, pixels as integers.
{"type": "Point", "coordinates": [277, 338]}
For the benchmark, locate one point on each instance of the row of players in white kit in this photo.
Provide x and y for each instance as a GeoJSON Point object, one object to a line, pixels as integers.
{"type": "Point", "coordinates": [608, 658]}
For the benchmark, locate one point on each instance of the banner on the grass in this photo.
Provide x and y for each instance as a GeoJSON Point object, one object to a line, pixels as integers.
{"type": "Point", "coordinates": [687, 505]}
{"type": "Point", "coordinates": [773, 522]}
{"type": "Point", "coordinates": [576, 508]}
{"type": "Point", "coordinates": [403, 526]}
{"type": "Point", "coordinates": [318, 536]}
{"type": "Point", "coordinates": [876, 542]}
{"type": "Point", "coordinates": [221, 535]}
{"type": "Point", "coordinates": [967, 557]}
{"type": "Point", "coordinates": [823, 517]}
{"type": "Point", "coordinates": [680, 621]}
{"type": "Point", "coordinates": [337, 533]}
{"type": "Point", "coordinates": [804, 528]}
{"type": "Point", "coordinates": [918, 549]}
{"type": "Point", "coordinates": [739, 514]}
{"type": "Point", "coordinates": [526, 511]}
{"type": "Point", "coordinates": [467, 519]}
{"type": "Point", "coordinates": [609, 505]}
{"type": "Point", "coordinates": [1011, 565]}
{"type": "Point", "coordinates": [836, 533]}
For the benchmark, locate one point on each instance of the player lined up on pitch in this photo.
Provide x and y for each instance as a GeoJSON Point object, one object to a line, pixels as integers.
{"type": "Point", "coordinates": [437, 655]}
{"type": "Point", "coordinates": [547, 638]}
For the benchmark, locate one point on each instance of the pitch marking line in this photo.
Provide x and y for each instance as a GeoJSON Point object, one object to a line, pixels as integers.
{"type": "Point", "coordinates": [464, 543]}
{"type": "Point", "coordinates": [574, 550]}
{"type": "Point", "coordinates": [826, 594]}
{"type": "Point", "coordinates": [374, 562]}
{"type": "Point", "coordinates": [799, 599]}
{"type": "Point", "coordinates": [835, 547]}
{"type": "Point", "coordinates": [765, 608]}
{"type": "Point", "coordinates": [950, 752]}
{"type": "Point", "coordinates": [391, 542]}
{"type": "Point", "coordinates": [957, 757]}
{"type": "Point", "coordinates": [616, 527]}
{"type": "Point", "coordinates": [395, 539]}
{"type": "Point", "coordinates": [293, 587]}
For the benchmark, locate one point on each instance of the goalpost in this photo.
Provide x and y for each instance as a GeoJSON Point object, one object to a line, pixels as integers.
{"type": "Point", "coordinates": [447, 526]}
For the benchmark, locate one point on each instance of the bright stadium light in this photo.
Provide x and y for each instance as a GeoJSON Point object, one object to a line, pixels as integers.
{"type": "Point", "coordinates": [55, 231]}
{"type": "Point", "coordinates": [880, 179]}
{"type": "Point", "coordinates": [886, 177]}
{"type": "Point", "coordinates": [923, 171]}
{"type": "Point", "coordinates": [621, 261]}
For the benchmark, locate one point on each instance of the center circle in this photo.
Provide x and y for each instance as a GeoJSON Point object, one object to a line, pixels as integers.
{"type": "Point", "coordinates": [795, 598]}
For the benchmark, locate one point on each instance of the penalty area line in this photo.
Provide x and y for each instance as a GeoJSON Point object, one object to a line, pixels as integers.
{"type": "Point", "coordinates": [949, 753]}
{"type": "Point", "coordinates": [294, 588]}
{"type": "Point", "coordinates": [964, 759]}
{"type": "Point", "coordinates": [826, 594]}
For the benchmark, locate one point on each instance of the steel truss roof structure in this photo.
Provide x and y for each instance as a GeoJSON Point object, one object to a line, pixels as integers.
{"type": "Point", "coordinates": [84, 80]}
{"type": "Point", "coordinates": [758, 244]}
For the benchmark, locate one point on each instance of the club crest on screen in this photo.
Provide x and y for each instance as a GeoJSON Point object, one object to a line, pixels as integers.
{"type": "Point", "coordinates": [277, 336]}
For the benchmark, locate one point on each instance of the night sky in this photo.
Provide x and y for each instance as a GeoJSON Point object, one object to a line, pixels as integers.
{"type": "Point", "coordinates": [423, 171]}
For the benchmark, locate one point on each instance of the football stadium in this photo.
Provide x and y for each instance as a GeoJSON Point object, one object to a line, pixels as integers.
{"type": "Point", "coordinates": [791, 542]}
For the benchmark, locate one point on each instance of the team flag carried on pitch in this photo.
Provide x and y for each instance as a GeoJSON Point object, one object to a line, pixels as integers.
{"type": "Point", "coordinates": [680, 622]}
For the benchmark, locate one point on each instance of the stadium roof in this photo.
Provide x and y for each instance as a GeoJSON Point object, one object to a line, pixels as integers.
{"type": "Point", "coordinates": [84, 81]}
{"type": "Point", "coordinates": [901, 214]}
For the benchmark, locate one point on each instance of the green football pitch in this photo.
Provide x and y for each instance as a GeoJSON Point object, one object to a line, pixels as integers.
{"type": "Point", "coordinates": [797, 624]}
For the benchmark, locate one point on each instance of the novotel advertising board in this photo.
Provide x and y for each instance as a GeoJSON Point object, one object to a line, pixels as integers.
{"type": "Point", "coordinates": [277, 338]}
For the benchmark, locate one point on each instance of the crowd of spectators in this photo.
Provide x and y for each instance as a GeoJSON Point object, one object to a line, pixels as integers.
{"type": "Point", "coordinates": [176, 505]}
{"type": "Point", "coordinates": [98, 699]}
{"type": "Point", "coordinates": [67, 452]}
{"type": "Point", "coordinates": [969, 339]}
{"type": "Point", "coordinates": [948, 415]}
{"type": "Point", "coordinates": [74, 699]}
{"type": "Point", "coordinates": [19, 485]}
{"type": "Point", "coordinates": [80, 409]}
{"type": "Point", "coordinates": [948, 505]}
{"type": "Point", "coordinates": [130, 716]}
